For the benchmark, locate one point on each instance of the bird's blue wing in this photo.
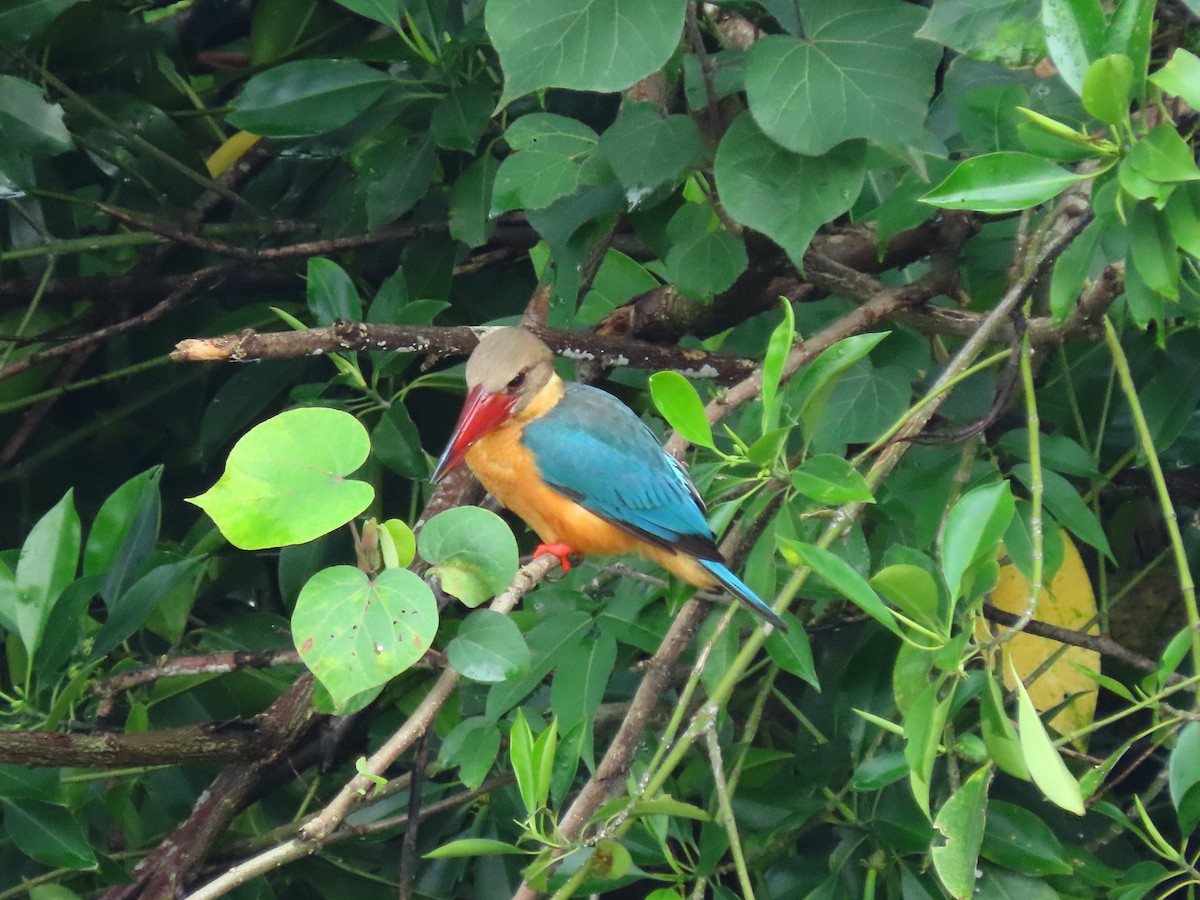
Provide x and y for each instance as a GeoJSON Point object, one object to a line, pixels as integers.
{"type": "Point", "coordinates": [595, 450]}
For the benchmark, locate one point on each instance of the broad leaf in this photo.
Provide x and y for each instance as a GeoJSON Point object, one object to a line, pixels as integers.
{"type": "Point", "coordinates": [472, 552]}
{"type": "Point", "coordinates": [973, 530]}
{"type": "Point", "coordinates": [784, 195]}
{"type": "Point", "coordinates": [1046, 766]}
{"type": "Point", "coordinates": [961, 822]}
{"type": "Point", "coordinates": [1001, 183]}
{"type": "Point", "coordinates": [307, 97]}
{"type": "Point", "coordinates": [488, 648]}
{"type": "Point", "coordinates": [859, 76]}
{"type": "Point", "coordinates": [586, 45]}
{"type": "Point", "coordinates": [355, 633]}
{"type": "Point", "coordinates": [285, 480]}
{"type": "Point", "coordinates": [681, 406]}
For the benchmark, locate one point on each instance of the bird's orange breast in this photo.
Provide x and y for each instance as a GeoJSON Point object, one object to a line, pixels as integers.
{"type": "Point", "coordinates": [509, 471]}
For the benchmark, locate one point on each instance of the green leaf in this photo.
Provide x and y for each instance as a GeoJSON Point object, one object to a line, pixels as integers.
{"type": "Point", "coordinates": [1064, 503]}
{"type": "Point", "coordinates": [1018, 542]}
{"type": "Point", "coordinates": [682, 407]}
{"type": "Point", "coordinates": [1128, 32]}
{"type": "Point", "coordinates": [577, 689]}
{"type": "Point", "coordinates": [844, 579]}
{"type": "Point", "coordinates": [1183, 218]}
{"type": "Point", "coordinates": [784, 195]}
{"type": "Point", "coordinates": [394, 176]}
{"type": "Point", "coordinates": [1072, 269]}
{"type": "Point", "coordinates": [552, 643]}
{"type": "Point", "coordinates": [779, 347]}
{"type": "Point", "coordinates": [1163, 156]}
{"type": "Point", "coordinates": [532, 761]}
{"type": "Point", "coordinates": [1074, 35]}
{"type": "Point", "coordinates": [471, 202]}
{"type": "Point", "coordinates": [646, 149]}
{"type": "Point", "coordinates": [128, 612]}
{"type": "Point", "coordinates": [28, 124]}
{"type": "Point", "coordinates": [859, 76]}
{"type": "Point", "coordinates": [22, 20]}
{"type": "Point", "coordinates": [542, 761]}
{"type": "Point", "coordinates": [472, 746]}
{"type": "Point", "coordinates": [285, 481]}
{"type": "Point", "coordinates": [1181, 77]}
{"type": "Point", "coordinates": [331, 293]}
{"type": "Point", "coordinates": [791, 651]}
{"type": "Point", "coordinates": [398, 543]}
{"type": "Point", "coordinates": [1000, 183]}
{"type": "Point", "coordinates": [355, 633]}
{"type": "Point", "coordinates": [973, 530]}
{"type": "Point", "coordinates": [864, 402]}
{"type": "Point", "coordinates": [704, 258]}
{"type": "Point", "coordinates": [1106, 88]}
{"type": "Point", "coordinates": [462, 116]}
{"type": "Point", "coordinates": [999, 734]}
{"type": "Point", "coordinates": [878, 771]}
{"type": "Point", "coordinates": [911, 590]}
{"type": "Point", "coordinates": [1005, 31]}
{"type": "Point", "coordinates": [1046, 767]}
{"type": "Point", "coordinates": [472, 552]}
{"type": "Point", "coordinates": [396, 443]}
{"type": "Point", "coordinates": [553, 157]}
{"type": "Point", "coordinates": [924, 723]}
{"type": "Point", "coordinates": [1058, 452]}
{"type": "Point", "coordinates": [472, 847]}
{"type": "Point", "coordinates": [1017, 839]}
{"type": "Point", "coordinates": [831, 480]}
{"type": "Point", "coordinates": [585, 45]}
{"type": "Point", "coordinates": [48, 563]}
{"type": "Point", "coordinates": [610, 860]}
{"type": "Point", "coordinates": [666, 805]}
{"type": "Point", "coordinates": [385, 12]}
{"type": "Point", "coordinates": [488, 648]}
{"type": "Point", "coordinates": [961, 822]}
{"type": "Point", "coordinates": [48, 833]}
{"type": "Point", "coordinates": [816, 381]}
{"type": "Point", "coordinates": [307, 97]}
{"type": "Point", "coordinates": [124, 531]}
{"type": "Point", "coordinates": [1184, 777]}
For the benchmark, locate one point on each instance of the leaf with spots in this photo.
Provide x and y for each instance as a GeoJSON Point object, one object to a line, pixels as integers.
{"type": "Point", "coordinates": [355, 633]}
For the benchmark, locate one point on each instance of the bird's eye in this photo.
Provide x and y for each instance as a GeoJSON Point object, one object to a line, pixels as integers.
{"type": "Point", "coordinates": [517, 381]}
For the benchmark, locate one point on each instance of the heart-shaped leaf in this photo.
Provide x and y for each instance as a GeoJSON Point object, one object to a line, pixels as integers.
{"type": "Point", "coordinates": [285, 480]}
{"type": "Point", "coordinates": [355, 633]}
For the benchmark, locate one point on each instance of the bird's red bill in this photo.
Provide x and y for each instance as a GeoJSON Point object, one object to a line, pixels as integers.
{"type": "Point", "coordinates": [480, 414]}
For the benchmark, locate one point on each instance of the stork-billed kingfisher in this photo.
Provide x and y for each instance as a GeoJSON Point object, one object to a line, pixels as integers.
{"type": "Point", "coordinates": [580, 467]}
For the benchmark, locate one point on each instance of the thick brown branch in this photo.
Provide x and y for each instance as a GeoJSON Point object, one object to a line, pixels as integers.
{"type": "Point", "coordinates": [455, 341]}
{"type": "Point", "coordinates": [207, 743]}
{"type": "Point", "coordinates": [166, 870]}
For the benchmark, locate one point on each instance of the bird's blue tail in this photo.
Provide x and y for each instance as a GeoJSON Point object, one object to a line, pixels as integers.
{"type": "Point", "coordinates": [742, 591]}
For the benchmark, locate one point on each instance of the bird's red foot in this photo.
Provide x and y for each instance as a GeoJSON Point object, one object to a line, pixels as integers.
{"type": "Point", "coordinates": [567, 555]}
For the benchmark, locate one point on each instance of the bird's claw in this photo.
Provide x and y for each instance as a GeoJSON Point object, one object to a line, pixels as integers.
{"type": "Point", "coordinates": [565, 553]}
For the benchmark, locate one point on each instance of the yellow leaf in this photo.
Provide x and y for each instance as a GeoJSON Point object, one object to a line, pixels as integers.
{"type": "Point", "coordinates": [230, 152]}
{"type": "Point", "coordinates": [1069, 603]}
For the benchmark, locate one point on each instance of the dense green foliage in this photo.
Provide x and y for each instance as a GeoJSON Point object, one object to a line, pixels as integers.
{"type": "Point", "coordinates": [232, 606]}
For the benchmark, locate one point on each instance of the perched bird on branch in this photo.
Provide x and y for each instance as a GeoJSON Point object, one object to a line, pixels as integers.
{"type": "Point", "coordinates": [581, 468]}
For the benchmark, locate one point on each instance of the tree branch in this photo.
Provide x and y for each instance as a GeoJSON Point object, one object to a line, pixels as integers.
{"type": "Point", "coordinates": [460, 340]}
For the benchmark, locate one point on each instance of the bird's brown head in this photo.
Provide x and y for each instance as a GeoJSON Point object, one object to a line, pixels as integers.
{"type": "Point", "coordinates": [508, 369]}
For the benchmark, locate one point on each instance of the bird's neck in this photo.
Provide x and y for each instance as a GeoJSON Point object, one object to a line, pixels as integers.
{"type": "Point", "coordinates": [543, 401]}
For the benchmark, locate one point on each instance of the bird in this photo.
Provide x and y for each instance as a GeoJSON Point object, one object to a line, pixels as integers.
{"type": "Point", "coordinates": [580, 468]}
